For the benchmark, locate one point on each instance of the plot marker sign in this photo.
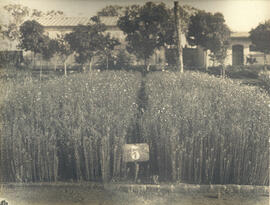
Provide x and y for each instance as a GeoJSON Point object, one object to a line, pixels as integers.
{"type": "Point", "coordinates": [136, 152]}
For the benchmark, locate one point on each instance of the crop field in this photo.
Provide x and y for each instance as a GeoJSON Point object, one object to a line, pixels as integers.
{"type": "Point", "coordinates": [204, 129]}
{"type": "Point", "coordinates": [201, 130]}
{"type": "Point", "coordinates": [66, 128]}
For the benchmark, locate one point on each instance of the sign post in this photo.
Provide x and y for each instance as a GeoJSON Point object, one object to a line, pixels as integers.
{"type": "Point", "coordinates": [136, 153]}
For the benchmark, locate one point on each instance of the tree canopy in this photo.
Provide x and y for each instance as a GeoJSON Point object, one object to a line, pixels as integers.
{"type": "Point", "coordinates": [88, 40]}
{"type": "Point", "coordinates": [145, 28]}
{"type": "Point", "coordinates": [210, 31]}
{"type": "Point", "coordinates": [260, 37]}
{"type": "Point", "coordinates": [112, 10]}
{"type": "Point", "coordinates": [48, 48]}
{"type": "Point", "coordinates": [32, 37]}
{"type": "Point", "coordinates": [18, 14]}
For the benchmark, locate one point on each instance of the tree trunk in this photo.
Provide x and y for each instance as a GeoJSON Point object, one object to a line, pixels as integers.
{"type": "Point", "coordinates": [40, 72]}
{"type": "Point", "coordinates": [264, 59]}
{"type": "Point", "coordinates": [178, 38]}
{"type": "Point", "coordinates": [107, 62]}
{"type": "Point", "coordinates": [90, 65]}
{"type": "Point", "coordinates": [223, 72]}
{"type": "Point", "coordinates": [34, 60]}
{"type": "Point", "coordinates": [65, 68]}
{"type": "Point", "coordinates": [206, 60]}
{"type": "Point", "coordinates": [146, 65]}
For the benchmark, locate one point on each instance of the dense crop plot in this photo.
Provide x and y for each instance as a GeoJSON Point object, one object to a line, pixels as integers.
{"type": "Point", "coordinates": [202, 129]}
{"type": "Point", "coordinates": [67, 128]}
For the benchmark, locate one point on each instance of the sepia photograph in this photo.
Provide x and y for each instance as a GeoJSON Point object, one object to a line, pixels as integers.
{"type": "Point", "coordinates": [144, 102]}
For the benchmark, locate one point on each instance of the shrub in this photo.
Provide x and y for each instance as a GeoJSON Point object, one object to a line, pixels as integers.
{"type": "Point", "coordinates": [203, 129]}
{"type": "Point", "coordinates": [11, 58]}
{"type": "Point", "coordinates": [264, 77]}
{"type": "Point", "coordinates": [67, 128]}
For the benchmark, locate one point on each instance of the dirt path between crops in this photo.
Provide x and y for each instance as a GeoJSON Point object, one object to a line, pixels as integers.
{"type": "Point", "coordinates": [67, 195]}
{"type": "Point", "coordinates": [135, 134]}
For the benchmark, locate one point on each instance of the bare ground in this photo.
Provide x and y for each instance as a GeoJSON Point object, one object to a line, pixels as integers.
{"type": "Point", "coordinates": [97, 195]}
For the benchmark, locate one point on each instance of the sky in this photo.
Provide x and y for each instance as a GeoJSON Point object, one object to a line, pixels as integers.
{"type": "Point", "coordinates": [240, 15]}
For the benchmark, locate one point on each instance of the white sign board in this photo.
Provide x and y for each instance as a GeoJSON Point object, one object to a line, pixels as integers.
{"type": "Point", "coordinates": [136, 152]}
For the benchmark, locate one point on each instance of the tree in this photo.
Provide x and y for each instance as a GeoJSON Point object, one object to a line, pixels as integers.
{"type": "Point", "coordinates": [146, 29]}
{"type": "Point", "coordinates": [11, 32]}
{"type": "Point", "coordinates": [210, 31]}
{"type": "Point", "coordinates": [260, 37]}
{"type": "Point", "coordinates": [111, 10]}
{"type": "Point", "coordinates": [87, 41]}
{"type": "Point", "coordinates": [123, 59]}
{"type": "Point", "coordinates": [51, 13]}
{"type": "Point", "coordinates": [32, 37]}
{"type": "Point", "coordinates": [107, 46]}
{"type": "Point", "coordinates": [64, 50]}
{"type": "Point", "coordinates": [48, 47]}
{"type": "Point", "coordinates": [18, 14]}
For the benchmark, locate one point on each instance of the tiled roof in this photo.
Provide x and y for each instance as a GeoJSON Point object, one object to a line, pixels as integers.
{"type": "Point", "coordinates": [73, 21]}
{"type": "Point", "coordinates": [63, 21]}
{"type": "Point", "coordinates": [240, 35]}
{"type": "Point", "coordinates": [109, 21]}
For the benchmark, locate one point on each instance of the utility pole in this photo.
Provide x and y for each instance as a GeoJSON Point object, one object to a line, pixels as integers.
{"type": "Point", "coordinates": [178, 38]}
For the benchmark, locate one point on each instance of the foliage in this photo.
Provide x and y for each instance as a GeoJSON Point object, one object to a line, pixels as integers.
{"type": "Point", "coordinates": [145, 28]}
{"type": "Point", "coordinates": [210, 31]}
{"type": "Point", "coordinates": [88, 40]}
{"type": "Point", "coordinates": [265, 78]}
{"type": "Point", "coordinates": [107, 46]}
{"type": "Point", "coordinates": [111, 10]}
{"type": "Point", "coordinates": [18, 12]}
{"type": "Point", "coordinates": [117, 59]}
{"type": "Point", "coordinates": [67, 128]}
{"type": "Point", "coordinates": [11, 58]}
{"type": "Point", "coordinates": [11, 32]}
{"type": "Point", "coordinates": [123, 59]}
{"type": "Point", "coordinates": [49, 48]}
{"type": "Point", "coordinates": [63, 49]}
{"type": "Point", "coordinates": [32, 37]}
{"type": "Point", "coordinates": [260, 37]}
{"type": "Point", "coordinates": [203, 129]}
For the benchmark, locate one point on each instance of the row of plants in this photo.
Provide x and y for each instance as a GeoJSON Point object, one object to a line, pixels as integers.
{"type": "Point", "coordinates": [203, 129]}
{"type": "Point", "coordinates": [200, 129]}
{"type": "Point", "coordinates": [67, 128]}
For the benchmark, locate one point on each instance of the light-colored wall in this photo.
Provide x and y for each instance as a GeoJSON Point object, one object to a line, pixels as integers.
{"type": "Point", "coordinates": [245, 42]}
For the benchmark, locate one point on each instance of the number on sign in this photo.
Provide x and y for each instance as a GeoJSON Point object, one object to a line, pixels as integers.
{"type": "Point", "coordinates": [135, 155]}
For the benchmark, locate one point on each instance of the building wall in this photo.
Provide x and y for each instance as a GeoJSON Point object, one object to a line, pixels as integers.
{"type": "Point", "coordinates": [245, 42]}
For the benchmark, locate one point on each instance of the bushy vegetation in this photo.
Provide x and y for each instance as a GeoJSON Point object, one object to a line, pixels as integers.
{"type": "Point", "coordinates": [265, 78]}
{"type": "Point", "coordinates": [202, 129]}
{"type": "Point", "coordinates": [67, 128]}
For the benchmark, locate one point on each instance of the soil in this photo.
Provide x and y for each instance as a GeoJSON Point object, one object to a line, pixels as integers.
{"type": "Point", "coordinates": [67, 195]}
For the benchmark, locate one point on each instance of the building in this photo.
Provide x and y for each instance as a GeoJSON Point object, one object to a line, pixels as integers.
{"type": "Point", "coordinates": [242, 52]}
{"type": "Point", "coordinates": [61, 25]}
